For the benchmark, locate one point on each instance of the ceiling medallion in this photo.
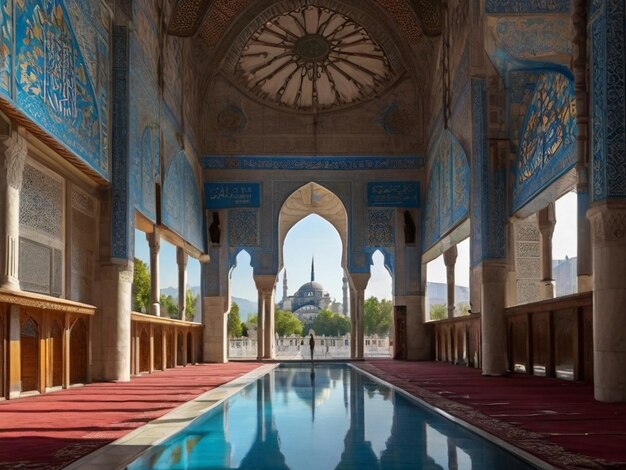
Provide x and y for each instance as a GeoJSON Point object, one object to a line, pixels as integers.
{"type": "Point", "coordinates": [313, 59]}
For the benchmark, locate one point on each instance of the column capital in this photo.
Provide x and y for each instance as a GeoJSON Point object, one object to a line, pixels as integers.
{"type": "Point", "coordinates": [359, 281]}
{"type": "Point", "coordinates": [546, 219]}
{"type": "Point", "coordinates": [608, 221]}
{"type": "Point", "coordinates": [15, 150]}
{"type": "Point", "coordinates": [181, 257]}
{"type": "Point", "coordinates": [264, 282]}
{"type": "Point", "coordinates": [450, 255]}
{"type": "Point", "coordinates": [154, 239]}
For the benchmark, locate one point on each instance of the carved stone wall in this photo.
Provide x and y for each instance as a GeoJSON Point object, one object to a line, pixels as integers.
{"type": "Point", "coordinates": [83, 228]}
{"type": "Point", "coordinates": [528, 260]}
{"type": "Point", "coordinates": [41, 231]}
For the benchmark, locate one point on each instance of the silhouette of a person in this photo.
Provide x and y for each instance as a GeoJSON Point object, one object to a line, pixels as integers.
{"type": "Point", "coordinates": [312, 345]}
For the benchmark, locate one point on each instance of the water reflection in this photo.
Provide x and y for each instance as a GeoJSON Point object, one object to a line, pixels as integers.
{"type": "Point", "coordinates": [327, 416]}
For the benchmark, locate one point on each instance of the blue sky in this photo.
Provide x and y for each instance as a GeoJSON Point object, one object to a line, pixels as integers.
{"type": "Point", "coordinates": [313, 236]}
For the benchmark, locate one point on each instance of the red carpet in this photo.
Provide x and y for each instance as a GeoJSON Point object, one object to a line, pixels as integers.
{"type": "Point", "coordinates": [52, 430]}
{"type": "Point", "coordinates": [556, 420]}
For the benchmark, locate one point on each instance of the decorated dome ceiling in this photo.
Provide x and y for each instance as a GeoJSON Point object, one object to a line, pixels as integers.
{"type": "Point", "coordinates": [313, 59]}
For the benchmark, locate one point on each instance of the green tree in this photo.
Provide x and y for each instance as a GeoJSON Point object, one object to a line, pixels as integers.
{"type": "Point", "coordinates": [377, 316]}
{"type": "Point", "coordinates": [234, 326]}
{"type": "Point", "coordinates": [190, 305]}
{"type": "Point", "coordinates": [438, 312]}
{"type": "Point", "coordinates": [169, 308]}
{"type": "Point", "coordinates": [141, 287]}
{"type": "Point", "coordinates": [330, 324]}
{"type": "Point", "coordinates": [286, 323]}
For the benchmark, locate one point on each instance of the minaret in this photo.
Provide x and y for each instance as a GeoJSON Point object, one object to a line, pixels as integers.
{"type": "Point", "coordinates": [285, 285]}
{"type": "Point", "coordinates": [312, 269]}
{"type": "Point", "coordinates": [345, 296]}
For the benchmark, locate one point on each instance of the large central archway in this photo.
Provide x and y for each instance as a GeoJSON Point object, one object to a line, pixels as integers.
{"type": "Point", "coordinates": [313, 198]}
{"type": "Point", "coordinates": [309, 199]}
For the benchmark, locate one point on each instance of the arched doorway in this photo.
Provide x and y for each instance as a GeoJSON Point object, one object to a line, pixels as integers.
{"type": "Point", "coordinates": [78, 352]}
{"type": "Point", "coordinates": [189, 348]}
{"type": "Point", "coordinates": [311, 302]}
{"type": "Point", "coordinates": [158, 348]}
{"type": "Point", "coordinates": [180, 361]}
{"type": "Point", "coordinates": [144, 351]}
{"type": "Point", "coordinates": [56, 338]}
{"type": "Point", "coordinates": [29, 355]}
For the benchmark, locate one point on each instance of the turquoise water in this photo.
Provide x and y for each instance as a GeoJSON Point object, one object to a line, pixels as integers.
{"type": "Point", "coordinates": [329, 417]}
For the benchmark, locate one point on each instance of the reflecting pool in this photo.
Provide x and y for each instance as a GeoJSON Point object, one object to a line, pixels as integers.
{"type": "Point", "coordinates": [327, 417]}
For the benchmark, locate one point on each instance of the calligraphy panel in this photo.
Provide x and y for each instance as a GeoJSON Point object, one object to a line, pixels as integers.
{"type": "Point", "coordinates": [62, 74]}
{"type": "Point", "coordinates": [231, 195]}
{"type": "Point", "coordinates": [393, 194]}
{"type": "Point", "coordinates": [547, 148]}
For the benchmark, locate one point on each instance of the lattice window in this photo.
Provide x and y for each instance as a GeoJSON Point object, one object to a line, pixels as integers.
{"type": "Point", "coordinates": [41, 231]}
{"type": "Point", "coordinates": [41, 204]}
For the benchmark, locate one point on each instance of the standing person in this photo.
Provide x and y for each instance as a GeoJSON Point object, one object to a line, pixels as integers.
{"type": "Point", "coordinates": [312, 345]}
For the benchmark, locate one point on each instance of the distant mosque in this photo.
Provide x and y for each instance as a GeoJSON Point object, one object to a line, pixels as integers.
{"type": "Point", "coordinates": [311, 298]}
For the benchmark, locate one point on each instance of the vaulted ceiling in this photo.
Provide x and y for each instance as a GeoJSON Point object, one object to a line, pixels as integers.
{"type": "Point", "coordinates": [309, 56]}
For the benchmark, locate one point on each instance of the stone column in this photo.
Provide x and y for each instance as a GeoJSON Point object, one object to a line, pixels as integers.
{"type": "Point", "coordinates": [154, 241]}
{"type": "Point", "coordinates": [353, 324]}
{"type": "Point", "coordinates": [359, 281]}
{"type": "Point", "coordinates": [14, 151]}
{"type": "Point", "coordinates": [112, 323]}
{"type": "Point", "coordinates": [547, 220]}
{"type": "Point", "coordinates": [493, 321]}
{"type": "Point", "coordinates": [181, 260]}
{"type": "Point", "coordinates": [579, 67]}
{"type": "Point", "coordinates": [418, 340]}
{"type": "Point", "coordinates": [269, 342]}
{"type": "Point", "coordinates": [215, 321]}
{"type": "Point", "coordinates": [265, 319]}
{"type": "Point", "coordinates": [449, 258]}
{"type": "Point", "coordinates": [608, 224]}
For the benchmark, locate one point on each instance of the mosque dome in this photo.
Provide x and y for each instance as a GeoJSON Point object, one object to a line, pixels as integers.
{"type": "Point", "coordinates": [310, 288]}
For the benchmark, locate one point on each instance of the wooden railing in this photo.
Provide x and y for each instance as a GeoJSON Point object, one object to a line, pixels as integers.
{"type": "Point", "coordinates": [457, 340]}
{"type": "Point", "coordinates": [552, 338]}
{"type": "Point", "coordinates": [160, 343]}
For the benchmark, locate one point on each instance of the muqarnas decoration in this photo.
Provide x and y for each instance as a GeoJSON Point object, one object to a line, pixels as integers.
{"type": "Point", "coordinates": [59, 66]}
{"type": "Point", "coordinates": [547, 148]}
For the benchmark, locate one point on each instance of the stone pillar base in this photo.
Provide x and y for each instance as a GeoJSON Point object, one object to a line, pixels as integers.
{"type": "Point", "coordinates": [418, 341]}
{"type": "Point", "coordinates": [111, 332]}
{"type": "Point", "coordinates": [215, 321]}
{"type": "Point", "coordinates": [493, 323]}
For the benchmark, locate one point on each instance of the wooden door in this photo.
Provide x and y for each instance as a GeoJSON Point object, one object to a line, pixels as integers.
{"type": "Point", "coordinates": [56, 346]}
{"type": "Point", "coordinates": [158, 348]}
{"type": "Point", "coordinates": [29, 355]}
{"type": "Point", "coordinates": [78, 352]}
{"type": "Point", "coordinates": [400, 333]}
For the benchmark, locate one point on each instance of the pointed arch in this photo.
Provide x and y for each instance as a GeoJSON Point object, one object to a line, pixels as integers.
{"type": "Point", "coordinates": [313, 198]}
